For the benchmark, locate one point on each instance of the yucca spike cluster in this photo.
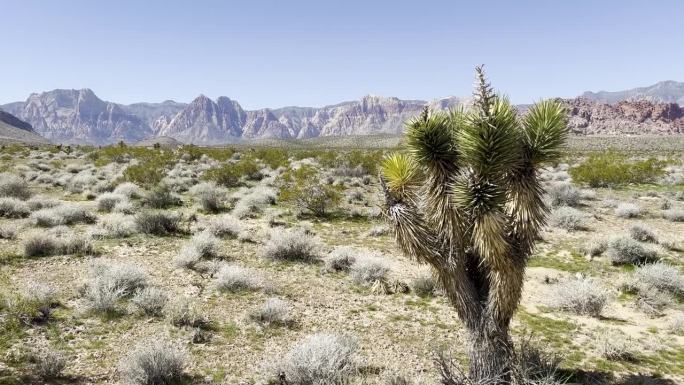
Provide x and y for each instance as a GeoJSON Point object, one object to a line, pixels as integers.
{"type": "Point", "coordinates": [466, 199]}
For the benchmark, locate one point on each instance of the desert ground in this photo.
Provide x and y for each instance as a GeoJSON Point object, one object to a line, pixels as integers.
{"type": "Point", "coordinates": [240, 261]}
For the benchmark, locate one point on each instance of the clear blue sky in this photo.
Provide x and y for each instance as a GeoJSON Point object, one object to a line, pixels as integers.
{"type": "Point", "coordinates": [312, 53]}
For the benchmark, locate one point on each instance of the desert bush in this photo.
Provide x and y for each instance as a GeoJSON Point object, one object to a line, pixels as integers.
{"type": "Point", "coordinates": [151, 300]}
{"type": "Point", "coordinates": [369, 268]}
{"type": "Point", "coordinates": [63, 215]}
{"type": "Point", "coordinates": [107, 201]}
{"type": "Point", "coordinates": [424, 285]}
{"type": "Point", "coordinates": [674, 215]}
{"type": "Point", "coordinates": [568, 218]}
{"type": "Point", "coordinates": [341, 259]}
{"type": "Point", "coordinates": [642, 233]}
{"type": "Point", "coordinates": [13, 186]}
{"type": "Point", "coordinates": [274, 311]}
{"type": "Point", "coordinates": [252, 203]}
{"type": "Point", "coordinates": [291, 245]}
{"type": "Point", "coordinates": [661, 276]}
{"type": "Point", "coordinates": [153, 362]}
{"type": "Point", "coordinates": [75, 244]}
{"type": "Point", "coordinates": [302, 187]}
{"type": "Point", "coordinates": [37, 203]}
{"type": "Point", "coordinates": [14, 208]}
{"type": "Point", "coordinates": [624, 250]}
{"type": "Point", "coordinates": [564, 194]}
{"type": "Point", "coordinates": [209, 196]}
{"type": "Point", "coordinates": [35, 302]}
{"type": "Point", "coordinates": [184, 312]}
{"type": "Point", "coordinates": [235, 279]}
{"type": "Point", "coordinates": [8, 231]}
{"type": "Point", "coordinates": [628, 210]}
{"type": "Point", "coordinates": [118, 225]}
{"type": "Point", "coordinates": [595, 248]}
{"type": "Point", "coordinates": [49, 363]}
{"type": "Point", "coordinates": [321, 358]}
{"type": "Point", "coordinates": [612, 169]}
{"type": "Point", "coordinates": [581, 296]}
{"type": "Point", "coordinates": [40, 245]}
{"type": "Point", "coordinates": [157, 222]}
{"type": "Point", "coordinates": [129, 190]}
{"type": "Point", "coordinates": [232, 174]}
{"type": "Point", "coordinates": [126, 276]}
{"type": "Point", "coordinates": [224, 226]}
{"type": "Point", "coordinates": [201, 245]}
{"type": "Point", "coordinates": [652, 301]}
{"type": "Point", "coordinates": [161, 197]}
{"type": "Point", "coordinates": [102, 295]}
{"type": "Point", "coordinates": [615, 346]}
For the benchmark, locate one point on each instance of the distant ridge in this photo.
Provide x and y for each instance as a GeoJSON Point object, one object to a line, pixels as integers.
{"type": "Point", "coordinates": [668, 91]}
{"type": "Point", "coordinates": [79, 116]}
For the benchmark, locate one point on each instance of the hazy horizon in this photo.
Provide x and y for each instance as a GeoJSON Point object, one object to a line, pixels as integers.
{"type": "Point", "coordinates": [272, 54]}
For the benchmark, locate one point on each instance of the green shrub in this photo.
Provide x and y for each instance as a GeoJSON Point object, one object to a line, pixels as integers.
{"type": "Point", "coordinates": [231, 174]}
{"type": "Point", "coordinates": [192, 152]}
{"type": "Point", "coordinates": [147, 173]}
{"type": "Point", "coordinates": [303, 188]}
{"type": "Point", "coordinates": [612, 169]}
{"type": "Point", "coordinates": [272, 157]}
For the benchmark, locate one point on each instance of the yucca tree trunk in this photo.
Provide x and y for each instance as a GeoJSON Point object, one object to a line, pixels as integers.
{"type": "Point", "coordinates": [491, 357]}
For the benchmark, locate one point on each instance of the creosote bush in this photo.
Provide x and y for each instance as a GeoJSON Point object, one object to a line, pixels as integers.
{"type": "Point", "coordinates": [154, 361]}
{"type": "Point", "coordinates": [302, 187]}
{"type": "Point", "coordinates": [610, 169]}
{"type": "Point", "coordinates": [321, 358]}
{"type": "Point", "coordinates": [291, 245]}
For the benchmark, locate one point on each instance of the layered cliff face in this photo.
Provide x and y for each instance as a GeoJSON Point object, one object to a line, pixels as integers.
{"type": "Point", "coordinates": [625, 117]}
{"type": "Point", "coordinates": [204, 121]}
{"type": "Point", "coordinates": [78, 116]}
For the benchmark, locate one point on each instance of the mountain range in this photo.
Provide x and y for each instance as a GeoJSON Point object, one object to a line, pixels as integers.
{"type": "Point", "coordinates": [79, 116]}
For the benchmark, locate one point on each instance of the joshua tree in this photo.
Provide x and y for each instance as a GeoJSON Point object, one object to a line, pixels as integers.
{"type": "Point", "coordinates": [466, 199]}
